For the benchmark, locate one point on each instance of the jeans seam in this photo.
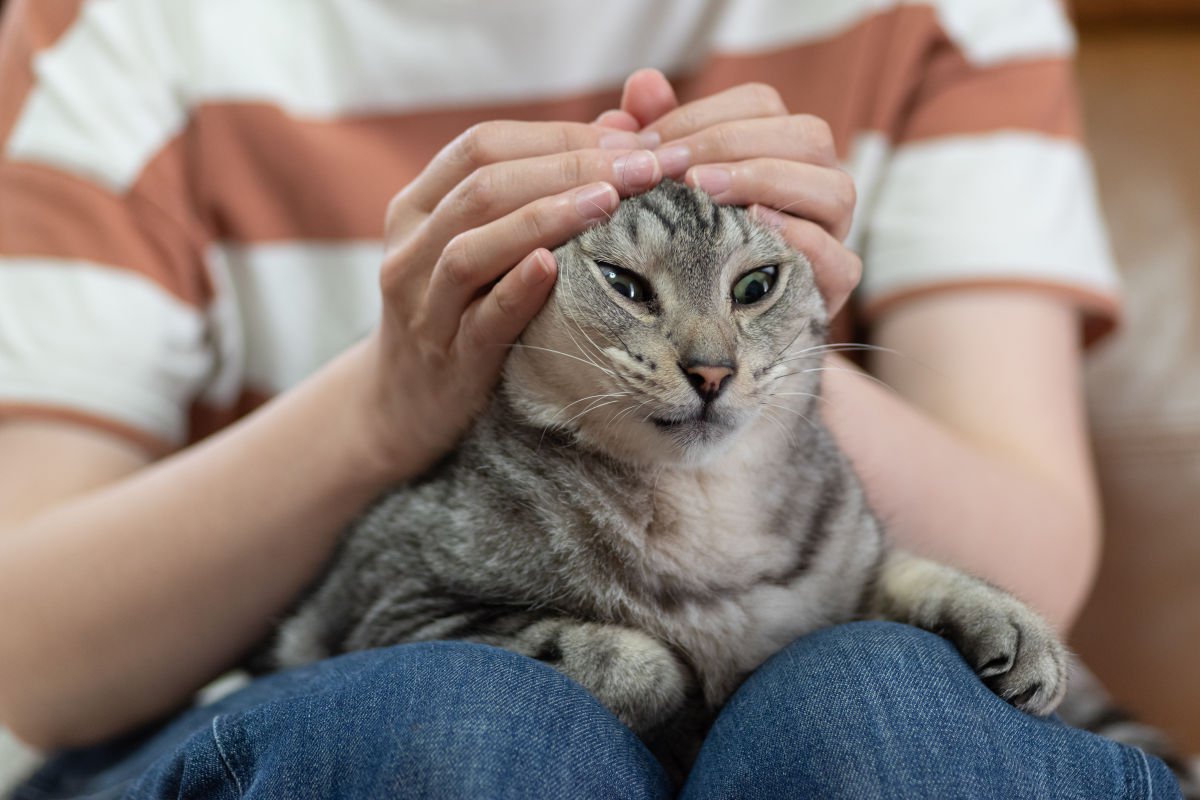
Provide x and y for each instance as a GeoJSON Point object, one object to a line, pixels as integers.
{"type": "Point", "coordinates": [225, 758]}
{"type": "Point", "coordinates": [1145, 774]}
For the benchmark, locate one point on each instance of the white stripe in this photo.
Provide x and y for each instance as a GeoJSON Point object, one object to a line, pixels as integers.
{"type": "Point", "coordinates": [326, 59]}
{"type": "Point", "coordinates": [866, 162]}
{"type": "Point", "coordinates": [1004, 206]}
{"type": "Point", "coordinates": [101, 341]}
{"type": "Point", "coordinates": [300, 304]}
{"type": "Point", "coordinates": [1005, 30]}
{"type": "Point", "coordinates": [107, 95]}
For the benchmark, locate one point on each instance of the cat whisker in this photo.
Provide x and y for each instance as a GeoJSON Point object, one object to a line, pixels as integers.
{"type": "Point", "coordinates": [824, 349]}
{"type": "Point", "coordinates": [788, 434]}
{"type": "Point", "coordinates": [569, 298]}
{"type": "Point", "coordinates": [590, 363]}
{"type": "Point", "coordinates": [852, 372]}
{"type": "Point", "coordinates": [800, 394]}
{"type": "Point", "coordinates": [590, 397]}
{"type": "Point", "coordinates": [593, 407]}
{"type": "Point", "coordinates": [628, 411]}
{"type": "Point", "coordinates": [793, 411]}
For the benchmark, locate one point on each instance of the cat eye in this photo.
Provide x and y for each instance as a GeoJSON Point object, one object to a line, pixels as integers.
{"type": "Point", "coordinates": [624, 282]}
{"type": "Point", "coordinates": [753, 286]}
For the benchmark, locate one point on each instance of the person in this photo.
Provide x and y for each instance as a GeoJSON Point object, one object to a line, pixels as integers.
{"type": "Point", "coordinates": [192, 200]}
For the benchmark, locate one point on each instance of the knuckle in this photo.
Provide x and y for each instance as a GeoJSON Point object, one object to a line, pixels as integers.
{"type": "Point", "coordinates": [477, 144]}
{"type": "Point", "coordinates": [396, 208]}
{"type": "Point", "coordinates": [580, 166]}
{"type": "Point", "coordinates": [853, 270]}
{"type": "Point", "coordinates": [477, 193]}
{"type": "Point", "coordinates": [847, 192]}
{"type": "Point", "coordinates": [506, 301]}
{"type": "Point", "coordinates": [455, 263]}
{"type": "Point", "coordinates": [727, 140]}
{"type": "Point", "coordinates": [767, 97]}
{"type": "Point", "coordinates": [818, 131]}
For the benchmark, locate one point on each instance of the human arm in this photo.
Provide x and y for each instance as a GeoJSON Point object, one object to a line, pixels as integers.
{"type": "Point", "coordinates": [977, 454]}
{"type": "Point", "coordinates": [166, 573]}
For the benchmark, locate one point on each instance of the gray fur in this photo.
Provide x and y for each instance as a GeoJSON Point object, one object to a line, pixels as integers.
{"type": "Point", "coordinates": [592, 519]}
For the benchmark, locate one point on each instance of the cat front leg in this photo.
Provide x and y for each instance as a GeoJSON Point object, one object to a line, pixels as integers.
{"type": "Point", "coordinates": [634, 675]}
{"type": "Point", "coordinates": [1009, 646]}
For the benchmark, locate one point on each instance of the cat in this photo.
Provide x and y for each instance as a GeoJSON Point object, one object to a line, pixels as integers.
{"type": "Point", "coordinates": [651, 502]}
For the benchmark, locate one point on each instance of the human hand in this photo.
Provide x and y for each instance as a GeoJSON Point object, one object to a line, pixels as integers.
{"type": "Point", "coordinates": [468, 264]}
{"type": "Point", "coordinates": [743, 147]}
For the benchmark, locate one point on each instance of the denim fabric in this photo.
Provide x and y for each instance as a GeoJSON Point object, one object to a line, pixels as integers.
{"type": "Point", "coordinates": [858, 711]}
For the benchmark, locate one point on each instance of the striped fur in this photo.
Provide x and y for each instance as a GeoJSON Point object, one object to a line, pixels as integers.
{"type": "Point", "coordinates": [605, 518]}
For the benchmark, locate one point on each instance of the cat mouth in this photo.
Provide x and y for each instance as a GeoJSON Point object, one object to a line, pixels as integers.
{"type": "Point", "coordinates": [701, 419]}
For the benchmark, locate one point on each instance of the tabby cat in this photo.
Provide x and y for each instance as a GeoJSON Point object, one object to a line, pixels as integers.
{"type": "Point", "coordinates": [651, 502]}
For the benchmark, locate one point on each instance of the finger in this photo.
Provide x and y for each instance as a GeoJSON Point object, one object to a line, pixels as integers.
{"type": "Point", "coordinates": [748, 101]}
{"type": "Point", "coordinates": [474, 259]}
{"type": "Point", "coordinates": [500, 189]}
{"type": "Point", "coordinates": [647, 96]}
{"type": "Point", "coordinates": [622, 121]}
{"type": "Point", "coordinates": [494, 142]}
{"type": "Point", "coordinates": [825, 196]}
{"type": "Point", "coordinates": [836, 268]}
{"type": "Point", "coordinates": [798, 137]}
{"type": "Point", "coordinates": [497, 318]}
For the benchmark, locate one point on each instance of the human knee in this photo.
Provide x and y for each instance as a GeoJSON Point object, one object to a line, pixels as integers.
{"type": "Point", "coordinates": [432, 720]}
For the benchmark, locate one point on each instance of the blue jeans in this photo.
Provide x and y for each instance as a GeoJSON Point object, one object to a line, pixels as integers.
{"type": "Point", "coordinates": [866, 710]}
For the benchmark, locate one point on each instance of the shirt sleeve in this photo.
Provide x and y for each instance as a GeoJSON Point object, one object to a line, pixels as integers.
{"type": "Point", "coordinates": [988, 183]}
{"type": "Point", "coordinates": [103, 287]}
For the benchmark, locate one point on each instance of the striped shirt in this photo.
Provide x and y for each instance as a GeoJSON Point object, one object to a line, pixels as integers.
{"type": "Point", "coordinates": [192, 192]}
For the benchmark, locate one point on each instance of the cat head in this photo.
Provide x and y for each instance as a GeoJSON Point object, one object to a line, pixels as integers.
{"type": "Point", "coordinates": [670, 329]}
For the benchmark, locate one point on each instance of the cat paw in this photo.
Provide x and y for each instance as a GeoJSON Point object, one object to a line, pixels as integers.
{"type": "Point", "coordinates": [1012, 649]}
{"type": "Point", "coordinates": [635, 675]}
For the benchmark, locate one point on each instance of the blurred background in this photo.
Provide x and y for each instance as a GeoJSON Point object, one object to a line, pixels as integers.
{"type": "Point", "coordinates": [1139, 66]}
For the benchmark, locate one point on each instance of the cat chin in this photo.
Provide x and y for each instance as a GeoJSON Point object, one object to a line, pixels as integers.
{"type": "Point", "coordinates": [647, 444]}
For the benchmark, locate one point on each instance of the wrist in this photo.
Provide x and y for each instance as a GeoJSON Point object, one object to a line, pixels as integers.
{"type": "Point", "coordinates": [384, 444]}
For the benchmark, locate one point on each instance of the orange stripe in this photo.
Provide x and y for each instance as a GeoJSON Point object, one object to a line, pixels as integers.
{"type": "Point", "coordinates": [29, 26]}
{"type": "Point", "coordinates": [1101, 312]}
{"type": "Point", "coordinates": [959, 99]}
{"type": "Point", "coordinates": [271, 177]}
{"type": "Point", "coordinates": [50, 214]}
{"type": "Point", "coordinates": [897, 72]}
{"type": "Point", "coordinates": [149, 443]}
{"type": "Point", "coordinates": [857, 80]}
{"type": "Point", "coordinates": [205, 419]}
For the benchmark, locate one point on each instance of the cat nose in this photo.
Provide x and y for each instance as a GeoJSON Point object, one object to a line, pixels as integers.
{"type": "Point", "coordinates": [708, 379]}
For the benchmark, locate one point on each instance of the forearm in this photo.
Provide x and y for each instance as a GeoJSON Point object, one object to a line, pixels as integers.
{"type": "Point", "coordinates": [963, 502]}
{"type": "Point", "coordinates": [121, 602]}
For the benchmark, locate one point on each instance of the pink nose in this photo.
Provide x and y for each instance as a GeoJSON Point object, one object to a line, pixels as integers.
{"type": "Point", "coordinates": [708, 380]}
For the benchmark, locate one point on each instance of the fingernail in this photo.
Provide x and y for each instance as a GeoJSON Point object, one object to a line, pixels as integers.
{"type": "Point", "coordinates": [713, 180]}
{"type": "Point", "coordinates": [649, 139]}
{"type": "Point", "coordinates": [620, 140]}
{"type": "Point", "coordinates": [536, 270]}
{"type": "Point", "coordinates": [636, 170]}
{"type": "Point", "coordinates": [596, 200]}
{"type": "Point", "coordinates": [674, 159]}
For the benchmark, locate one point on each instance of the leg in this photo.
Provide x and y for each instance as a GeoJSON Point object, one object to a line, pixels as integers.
{"type": "Point", "coordinates": [1010, 647]}
{"type": "Point", "coordinates": [433, 720]}
{"type": "Point", "coordinates": [880, 710]}
{"type": "Point", "coordinates": [634, 675]}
